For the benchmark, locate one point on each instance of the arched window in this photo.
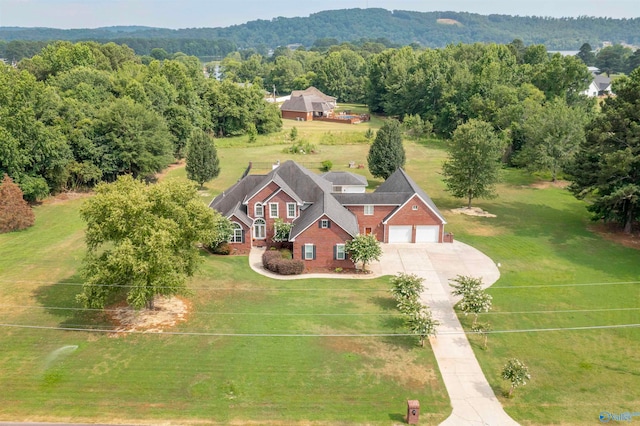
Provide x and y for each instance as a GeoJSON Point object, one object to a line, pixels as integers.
{"type": "Point", "coordinates": [259, 229]}
{"type": "Point", "coordinates": [236, 234]}
{"type": "Point", "coordinates": [258, 210]}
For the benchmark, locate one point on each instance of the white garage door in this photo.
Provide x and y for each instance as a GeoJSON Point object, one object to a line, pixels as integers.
{"type": "Point", "coordinates": [400, 234]}
{"type": "Point", "coordinates": [427, 233]}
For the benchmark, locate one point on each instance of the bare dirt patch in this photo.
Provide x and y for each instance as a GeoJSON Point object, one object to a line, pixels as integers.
{"type": "Point", "coordinates": [176, 165]}
{"type": "Point", "coordinates": [472, 211]}
{"type": "Point", "coordinates": [612, 232]}
{"type": "Point", "coordinates": [385, 361]}
{"type": "Point", "coordinates": [446, 21]}
{"type": "Point", "coordinates": [549, 184]}
{"type": "Point", "coordinates": [168, 312]}
{"type": "Point", "coordinates": [66, 196]}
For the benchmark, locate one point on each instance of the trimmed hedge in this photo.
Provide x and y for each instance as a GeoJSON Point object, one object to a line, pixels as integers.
{"type": "Point", "coordinates": [273, 261]}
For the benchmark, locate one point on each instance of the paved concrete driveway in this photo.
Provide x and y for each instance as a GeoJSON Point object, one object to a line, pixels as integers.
{"type": "Point", "coordinates": [472, 399]}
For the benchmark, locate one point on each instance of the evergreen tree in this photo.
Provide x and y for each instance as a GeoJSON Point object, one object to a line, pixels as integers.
{"type": "Point", "coordinates": [15, 213]}
{"type": "Point", "coordinates": [606, 168]}
{"type": "Point", "coordinates": [386, 153]}
{"type": "Point", "coordinates": [202, 158]}
{"type": "Point", "coordinates": [586, 55]}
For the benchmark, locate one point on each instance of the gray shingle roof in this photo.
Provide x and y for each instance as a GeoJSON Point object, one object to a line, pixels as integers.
{"type": "Point", "coordinates": [231, 199]}
{"type": "Point", "coordinates": [400, 182]}
{"type": "Point", "coordinates": [314, 192]}
{"type": "Point", "coordinates": [378, 198]}
{"type": "Point", "coordinates": [306, 103]}
{"type": "Point", "coordinates": [311, 90]}
{"type": "Point", "coordinates": [345, 178]}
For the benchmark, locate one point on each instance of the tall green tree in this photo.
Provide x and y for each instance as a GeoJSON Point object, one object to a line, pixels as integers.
{"type": "Point", "coordinates": [202, 158]}
{"type": "Point", "coordinates": [606, 168]}
{"type": "Point", "coordinates": [141, 240]}
{"type": "Point", "coordinates": [586, 55]}
{"type": "Point", "coordinates": [613, 59]}
{"type": "Point", "coordinates": [386, 154]}
{"type": "Point", "coordinates": [552, 137]}
{"type": "Point", "coordinates": [473, 167]}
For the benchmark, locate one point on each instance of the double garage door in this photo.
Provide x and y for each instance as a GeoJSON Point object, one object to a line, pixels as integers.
{"type": "Point", "coordinates": [424, 234]}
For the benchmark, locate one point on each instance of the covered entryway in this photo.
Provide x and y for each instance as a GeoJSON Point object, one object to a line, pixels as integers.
{"type": "Point", "coordinates": [427, 233]}
{"type": "Point", "coordinates": [400, 234]}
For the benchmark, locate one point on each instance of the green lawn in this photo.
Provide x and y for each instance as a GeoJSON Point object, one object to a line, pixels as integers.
{"type": "Point", "coordinates": [540, 237]}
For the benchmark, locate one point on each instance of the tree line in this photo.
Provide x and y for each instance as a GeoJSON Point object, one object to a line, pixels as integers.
{"type": "Point", "coordinates": [77, 114]}
{"type": "Point", "coordinates": [428, 29]}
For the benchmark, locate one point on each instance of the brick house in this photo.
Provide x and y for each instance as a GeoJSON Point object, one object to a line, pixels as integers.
{"type": "Point", "coordinates": [326, 211]}
{"type": "Point", "coordinates": [305, 105]}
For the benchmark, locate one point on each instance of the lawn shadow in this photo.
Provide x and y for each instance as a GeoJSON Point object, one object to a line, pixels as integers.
{"type": "Point", "coordinates": [59, 300]}
{"type": "Point", "coordinates": [396, 417]}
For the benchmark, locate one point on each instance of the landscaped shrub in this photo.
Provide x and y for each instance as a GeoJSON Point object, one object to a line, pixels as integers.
{"type": "Point", "coordinates": [222, 248]}
{"type": "Point", "coordinates": [290, 267]}
{"type": "Point", "coordinates": [274, 261]}
{"type": "Point", "coordinates": [270, 259]}
{"type": "Point", "coordinates": [326, 165]}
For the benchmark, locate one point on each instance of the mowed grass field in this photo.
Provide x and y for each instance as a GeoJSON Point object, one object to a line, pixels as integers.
{"type": "Point", "coordinates": [556, 274]}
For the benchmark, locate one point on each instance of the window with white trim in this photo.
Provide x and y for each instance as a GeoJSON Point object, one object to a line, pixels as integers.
{"type": "Point", "coordinates": [340, 252]}
{"type": "Point", "coordinates": [273, 210]}
{"type": "Point", "coordinates": [309, 252]}
{"type": "Point", "coordinates": [324, 223]}
{"type": "Point", "coordinates": [258, 210]}
{"type": "Point", "coordinates": [368, 210]}
{"type": "Point", "coordinates": [236, 234]}
{"type": "Point", "coordinates": [414, 207]}
{"type": "Point", "coordinates": [291, 210]}
{"type": "Point", "coordinates": [259, 229]}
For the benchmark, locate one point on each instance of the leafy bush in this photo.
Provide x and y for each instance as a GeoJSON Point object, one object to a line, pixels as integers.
{"type": "Point", "coordinates": [327, 165]}
{"type": "Point", "coordinates": [302, 147]}
{"type": "Point", "coordinates": [222, 248]}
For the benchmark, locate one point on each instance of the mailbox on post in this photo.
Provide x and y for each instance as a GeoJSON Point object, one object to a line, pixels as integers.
{"type": "Point", "coordinates": [413, 411]}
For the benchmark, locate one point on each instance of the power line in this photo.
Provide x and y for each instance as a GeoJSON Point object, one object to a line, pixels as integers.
{"type": "Point", "coordinates": [211, 334]}
{"type": "Point", "coordinates": [398, 314]}
{"type": "Point", "coordinates": [76, 283]}
{"type": "Point", "coordinates": [563, 285]}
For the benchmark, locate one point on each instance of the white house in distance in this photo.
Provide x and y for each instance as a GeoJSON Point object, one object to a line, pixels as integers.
{"type": "Point", "coordinates": [600, 86]}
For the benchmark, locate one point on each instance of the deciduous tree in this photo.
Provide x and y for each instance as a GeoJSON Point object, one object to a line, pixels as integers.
{"type": "Point", "coordinates": [552, 137]}
{"type": "Point", "coordinates": [15, 212]}
{"type": "Point", "coordinates": [363, 248]}
{"type": "Point", "coordinates": [473, 167]}
{"type": "Point", "coordinates": [516, 373]}
{"type": "Point", "coordinates": [141, 240]}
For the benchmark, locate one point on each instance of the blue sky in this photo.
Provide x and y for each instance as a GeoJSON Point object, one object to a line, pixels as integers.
{"type": "Point", "coordinates": [217, 13]}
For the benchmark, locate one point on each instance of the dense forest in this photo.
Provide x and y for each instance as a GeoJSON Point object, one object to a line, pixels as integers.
{"type": "Point", "coordinates": [77, 114]}
{"type": "Point", "coordinates": [427, 29]}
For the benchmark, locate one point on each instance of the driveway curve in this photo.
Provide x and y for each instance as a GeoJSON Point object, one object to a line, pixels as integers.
{"type": "Point", "coordinates": [472, 399]}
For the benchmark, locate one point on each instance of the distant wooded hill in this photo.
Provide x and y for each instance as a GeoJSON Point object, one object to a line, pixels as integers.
{"type": "Point", "coordinates": [429, 29]}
